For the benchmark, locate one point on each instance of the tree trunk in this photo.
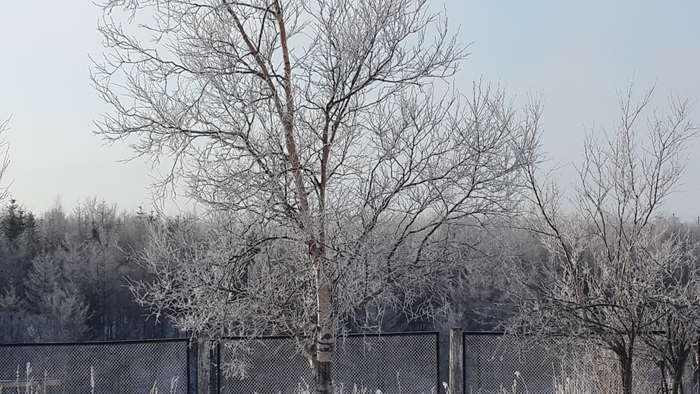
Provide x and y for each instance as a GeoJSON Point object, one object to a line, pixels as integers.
{"type": "Point", "coordinates": [664, 380]}
{"type": "Point", "coordinates": [324, 377]}
{"type": "Point", "coordinates": [325, 339]}
{"type": "Point", "coordinates": [626, 372]}
{"type": "Point", "coordinates": [678, 369]}
{"type": "Point", "coordinates": [677, 387]}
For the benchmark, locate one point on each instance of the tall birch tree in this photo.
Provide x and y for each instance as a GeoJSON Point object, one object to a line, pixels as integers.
{"type": "Point", "coordinates": [329, 146]}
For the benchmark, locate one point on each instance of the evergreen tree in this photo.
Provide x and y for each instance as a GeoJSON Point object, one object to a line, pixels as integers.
{"type": "Point", "coordinates": [56, 300]}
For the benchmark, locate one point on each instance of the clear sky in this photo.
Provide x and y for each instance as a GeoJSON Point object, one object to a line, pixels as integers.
{"type": "Point", "coordinates": [576, 56]}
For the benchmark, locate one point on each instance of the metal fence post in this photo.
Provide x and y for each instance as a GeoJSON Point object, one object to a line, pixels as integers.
{"type": "Point", "coordinates": [697, 364]}
{"type": "Point", "coordinates": [203, 365]}
{"type": "Point", "coordinates": [189, 371]}
{"type": "Point", "coordinates": [456, 362]}
{"type": "Point", "coordinates": [218, 366]}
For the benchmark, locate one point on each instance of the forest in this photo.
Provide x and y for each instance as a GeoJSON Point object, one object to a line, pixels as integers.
{"type": "Point", "coordinates": [64, 275]}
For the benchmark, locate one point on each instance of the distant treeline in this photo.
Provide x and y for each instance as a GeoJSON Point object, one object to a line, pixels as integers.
{"type": "Point", "coordinates": [63, 276]}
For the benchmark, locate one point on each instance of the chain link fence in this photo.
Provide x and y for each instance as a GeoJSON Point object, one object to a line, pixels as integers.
{"type": "Point", "coordinates": [393, 363]}
{"type": "Point", "coordinates": [494, 363]}
{"type": "Point", "coordinates": [102, 367]}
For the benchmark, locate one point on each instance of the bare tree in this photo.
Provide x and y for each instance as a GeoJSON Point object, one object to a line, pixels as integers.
{"type": "Point", "coordinates": [326, 141]}
{"type": "Point", "coordinates": [611, 261]}
{"type": "Point", "coordinates": [4, 155]}
{"type": "Point", "coordinates": [677, 306]}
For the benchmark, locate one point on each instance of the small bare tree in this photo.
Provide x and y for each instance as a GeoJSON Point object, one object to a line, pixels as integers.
{"type": "Point", "coordinates": [333, 161]}
{"type": "Point", "coordinates": [677, 308]}
{"type": "Point", "coordinates": [610, 262]}
{"type": "Point", "coordinates": [4, 155]}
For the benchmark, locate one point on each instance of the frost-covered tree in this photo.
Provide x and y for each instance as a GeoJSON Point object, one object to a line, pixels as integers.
{"type": "Point", "coordinates": [14, 316]}
{"type": "Point", "coordinates": [613, 270]}
{"type": "Point", "coordinates": [56, 301]}
{"type": "Point", "coordinates": [671, 344]}
{"type": "Point", "coordinates": [4, 155]}
{"type": "Point", "coordinates": [329, 146]}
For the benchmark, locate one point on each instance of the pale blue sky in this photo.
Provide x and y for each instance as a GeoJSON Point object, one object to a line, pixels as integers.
{"type": "Point", "coordinates": [576, 56]}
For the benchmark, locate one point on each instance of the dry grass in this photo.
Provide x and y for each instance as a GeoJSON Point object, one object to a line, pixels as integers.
{"type": "Point", "coordinates": [28, 383]}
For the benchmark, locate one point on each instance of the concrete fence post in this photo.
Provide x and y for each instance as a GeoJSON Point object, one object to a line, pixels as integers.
{"type": "Point", "coordinates": [203, 365]}
{"type": "Point", "coordinates": [456, 362]}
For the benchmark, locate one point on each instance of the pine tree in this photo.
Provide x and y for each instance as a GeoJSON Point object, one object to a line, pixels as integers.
{"type": "Point", "coordinates": [56, 300]}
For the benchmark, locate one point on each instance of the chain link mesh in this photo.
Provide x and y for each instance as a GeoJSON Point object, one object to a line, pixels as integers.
{"type": "Point", "coordinates": [504, 364]}
{"type": "Point", "coordinates": [115, 367]}
{"type": "Point", "coordinates": [396, 363]}
{"type": "Point", "coordinates": [492, 363]}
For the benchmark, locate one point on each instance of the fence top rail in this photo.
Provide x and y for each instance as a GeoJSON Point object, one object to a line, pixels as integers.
{"type": "Point", "coordinates": [354, 334]}
{"type": "Point", "coordinates": [484, 333]}
{"type": "Point", "coordinates": [508, 334]}
{"type": "Point", "coordinates": [86, 343]}
{"type": "Point", "coordinates": [504, 333]}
